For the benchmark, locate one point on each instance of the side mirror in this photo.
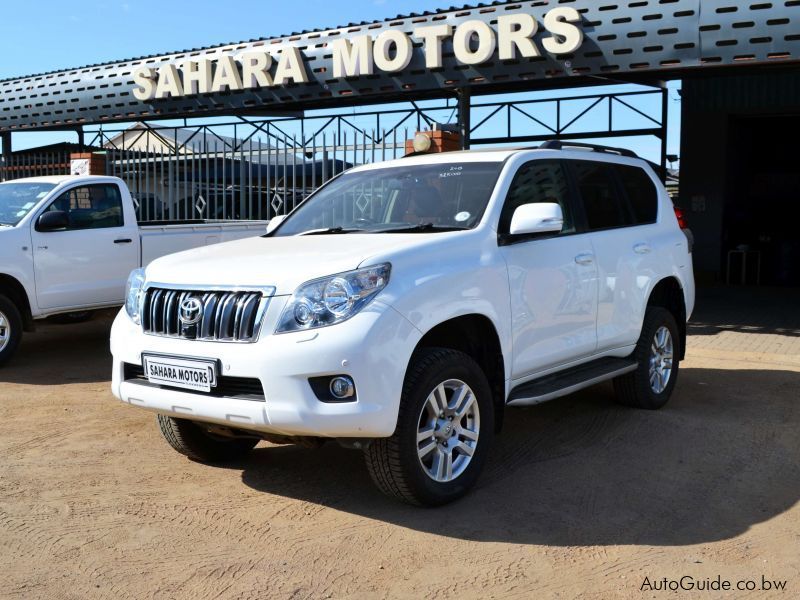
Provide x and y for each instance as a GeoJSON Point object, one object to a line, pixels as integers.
{"type": "Point", "coordinates": [274, 222]}
{"type": "Point", "coordinates": [53, 220]}
{"type": "Point", "coordinates": [541, 217]}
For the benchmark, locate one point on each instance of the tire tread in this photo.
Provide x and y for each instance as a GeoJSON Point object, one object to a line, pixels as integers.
{"type": "Point", "coordinates": [188, 439]}
{"type": "Point", "coordinates": [383, 456]}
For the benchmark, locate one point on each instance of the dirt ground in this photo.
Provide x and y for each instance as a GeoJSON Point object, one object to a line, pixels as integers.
{"type": "Point", "coordinates": [581, 498]}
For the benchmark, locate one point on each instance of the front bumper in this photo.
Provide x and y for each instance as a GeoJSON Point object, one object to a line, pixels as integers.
{"type": "Point", "coordinates": [373, 348]}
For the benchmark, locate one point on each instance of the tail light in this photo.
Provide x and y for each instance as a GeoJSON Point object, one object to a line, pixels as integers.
{"type": "Point", "coordinates": [681, 215]}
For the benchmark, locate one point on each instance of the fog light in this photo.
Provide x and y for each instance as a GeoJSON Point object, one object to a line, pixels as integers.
{"type": "Point", "coordinates": [342, 387]}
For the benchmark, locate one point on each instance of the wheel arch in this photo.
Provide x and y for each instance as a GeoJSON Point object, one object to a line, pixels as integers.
{"type": "Point", "coordinates": [15, 291]}
{"type": "Point", "coordinates": [668, 294]}
{"type": "Point", "coordinates": [475, 335]}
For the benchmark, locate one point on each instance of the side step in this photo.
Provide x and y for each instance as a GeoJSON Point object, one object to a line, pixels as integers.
{"type": "Point", "coordinates": [569, 381]}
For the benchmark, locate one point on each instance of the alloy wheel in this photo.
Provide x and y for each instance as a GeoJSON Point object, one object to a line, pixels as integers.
{"type": "Point", "coordinates": [448, 430]}
{"type": "Point", "coordinates": [5, 331]}
{"type": "Point", "coordinates": [661, 357]}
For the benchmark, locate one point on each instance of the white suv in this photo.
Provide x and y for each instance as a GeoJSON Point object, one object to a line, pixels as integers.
{"type": "Point", "coordinates": [406, 305]}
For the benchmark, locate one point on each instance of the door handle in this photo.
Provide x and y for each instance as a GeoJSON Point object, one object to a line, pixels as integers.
{"type": "Point", "coordinates": [123, 241]}
{"type": "Point", "coordinates": [584, 259]}
{"type": "Point", "coordinates": [642, 249]}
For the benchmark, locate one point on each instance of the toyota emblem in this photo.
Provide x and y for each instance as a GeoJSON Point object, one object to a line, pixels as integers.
{"type": "Point", "coordinates": [191, 311]}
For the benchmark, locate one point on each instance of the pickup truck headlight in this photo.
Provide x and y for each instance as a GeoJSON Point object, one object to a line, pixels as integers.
{"type": "Point", "coordinates": [134, 293]}
{"type": "Point", "coordinates": [332, 299]}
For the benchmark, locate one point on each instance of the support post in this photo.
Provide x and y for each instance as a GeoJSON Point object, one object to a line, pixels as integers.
{"type": "Point", "coordinates": [664, 131]}
{"type": "Point", "coordinates": [81, 138]}
{"type": "Point", "coordinates": [7, 149]}
{"type": "Point", "coordinates": [464, 125]}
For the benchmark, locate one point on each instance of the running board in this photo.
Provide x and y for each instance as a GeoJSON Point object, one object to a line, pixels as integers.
{"type": "Point", "coordinates": [569, 381]}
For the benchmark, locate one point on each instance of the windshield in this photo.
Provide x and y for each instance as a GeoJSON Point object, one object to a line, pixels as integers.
{"type": "Point", "coordinates": [423, 198]}
{"type": "Point", "coordinates": [17, 200]}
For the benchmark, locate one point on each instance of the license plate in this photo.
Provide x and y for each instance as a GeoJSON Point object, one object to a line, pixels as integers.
{"type": "Point", "coordinates": [188, 373]}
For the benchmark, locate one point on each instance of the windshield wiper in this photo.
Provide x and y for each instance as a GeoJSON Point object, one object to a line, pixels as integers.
{"type": "Point", "coordinates": [422, 228]}
{"type": "Point", "coordinates": [330, 230]}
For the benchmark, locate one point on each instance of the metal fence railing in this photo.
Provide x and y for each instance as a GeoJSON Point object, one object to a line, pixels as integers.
{"type": "Point", "coordinates": [256, 168]}
{"type": "Point", "coordinates": [34, 164]}
{"type": "Point", "coordinates": [222, 178]}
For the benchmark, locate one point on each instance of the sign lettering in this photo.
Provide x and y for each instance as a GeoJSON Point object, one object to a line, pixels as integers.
{"type": "Point", "coordinates": [474, 42]}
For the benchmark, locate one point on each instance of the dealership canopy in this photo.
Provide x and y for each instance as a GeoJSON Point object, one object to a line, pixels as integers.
{"type": "Point", "coordinates": [489, 48]}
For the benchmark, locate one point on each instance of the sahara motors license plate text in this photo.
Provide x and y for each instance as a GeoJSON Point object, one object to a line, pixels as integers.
{"type": "Point", "coordinates": [188, 373]}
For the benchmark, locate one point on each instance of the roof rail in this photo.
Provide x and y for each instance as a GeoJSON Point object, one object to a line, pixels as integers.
{"type": "Point", "coordinates": [559, 145]}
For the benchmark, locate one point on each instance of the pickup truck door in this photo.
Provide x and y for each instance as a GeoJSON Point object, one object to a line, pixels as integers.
{"type": "Point", "coordinates": [552, 279]}
{"type": "Point", "coordinates": [88, 262]}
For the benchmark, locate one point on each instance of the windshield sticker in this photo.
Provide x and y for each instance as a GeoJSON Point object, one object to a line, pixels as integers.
{"type": "Point", "coordinates": [453, 172]}
{"type": "Point", "coordinates": [462, 216]}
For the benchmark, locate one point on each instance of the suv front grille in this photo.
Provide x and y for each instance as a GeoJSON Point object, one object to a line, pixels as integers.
{"type": "Point", "coordinates": [216, 315]}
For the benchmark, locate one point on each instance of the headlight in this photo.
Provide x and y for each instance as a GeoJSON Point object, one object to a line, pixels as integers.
{"type": "Point", "coordinates": [134, 294]}
{"type": "Point", "coordinates": [333, 299]}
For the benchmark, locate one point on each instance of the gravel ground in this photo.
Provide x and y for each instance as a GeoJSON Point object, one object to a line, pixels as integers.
{"type": "Point", "coordinates": [580, 498]}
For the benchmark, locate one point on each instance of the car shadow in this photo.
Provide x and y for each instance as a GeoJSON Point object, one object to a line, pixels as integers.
{"type": "Point", "coordinates": [723, 456]}
{"type": "Point", "coordinates": [63, 353]}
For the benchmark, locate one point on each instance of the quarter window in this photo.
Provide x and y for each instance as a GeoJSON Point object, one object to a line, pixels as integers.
{"type": "Point", "coordinates": [538, 181]}
{"type": "Point", "coordinates": [601, 203]}
{"type": "Point", "coordinates": [91, 206]}
{"type": "Point", "coordinates": [641, 192]}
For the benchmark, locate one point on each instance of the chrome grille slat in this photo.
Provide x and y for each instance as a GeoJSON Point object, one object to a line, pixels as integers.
{"type": "Point", "coordinates": [228, 316]}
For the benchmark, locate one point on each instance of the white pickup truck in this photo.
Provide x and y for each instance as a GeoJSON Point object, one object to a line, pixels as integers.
{"type": "Point", "coordinates": [404, 307]}
{"type": "Point", "coordinates": [68, 244]}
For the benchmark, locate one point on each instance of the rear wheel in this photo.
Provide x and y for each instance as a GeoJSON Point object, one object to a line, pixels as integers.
{"type": "Point", "coordinates": [10, 329]}
{"type": "Point", "coordinates": [444, 429]}
{"type": "Point", "coordinates": [650, 385]}
{"type": "Point", "coordinates": [192, 440]}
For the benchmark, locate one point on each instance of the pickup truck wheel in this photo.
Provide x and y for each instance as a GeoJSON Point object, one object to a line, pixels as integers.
{"type": "Point", "coordinates": [444, 429]}
{"type": "Point", "coordinates": [190, 439]}
{"type": "Point", "coordinates": [10, 329]}
{"type": "Point", "coordinates": [650, 385]}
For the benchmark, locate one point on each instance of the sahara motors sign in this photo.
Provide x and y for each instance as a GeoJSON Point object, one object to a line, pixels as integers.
{"type": "Point", "coordinates": [474, 42]}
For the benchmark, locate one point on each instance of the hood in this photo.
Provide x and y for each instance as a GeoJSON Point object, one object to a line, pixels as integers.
{"type": "Point", "coordinates": [282, 262]}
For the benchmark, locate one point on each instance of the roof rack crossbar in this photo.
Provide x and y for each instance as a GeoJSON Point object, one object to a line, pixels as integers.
{"type": "Point", "coordinates": [559, 145]}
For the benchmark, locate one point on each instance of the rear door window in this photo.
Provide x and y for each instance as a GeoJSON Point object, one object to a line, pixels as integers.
{"type": "Point", "coordinates": [641, 192]}
{"type": "Point", "coordinates": [602, 205]}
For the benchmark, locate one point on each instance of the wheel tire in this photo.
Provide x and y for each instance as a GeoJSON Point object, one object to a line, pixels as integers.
{"type": "Point", "coordinates": [394, 463]}
{"type": "Point", "coordinates": [10, 329]}
{"type": "Point", "coordinates": [190, 439]}
{"type": "Point", "coordinates": [635, 388]}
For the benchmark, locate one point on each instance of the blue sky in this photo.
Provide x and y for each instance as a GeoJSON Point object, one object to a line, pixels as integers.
{"type": "Point", "coordinates": [46, 35]}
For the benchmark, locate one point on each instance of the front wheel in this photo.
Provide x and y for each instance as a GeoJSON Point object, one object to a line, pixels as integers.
{"type": "Point", "coordinates": [650, 385]}
{"type": "Point", "coordinates": [193, 441]}
{"type": "Point", "coordinates": [10, 329]}
{"type": "Point", "coordinates": [444, 429]}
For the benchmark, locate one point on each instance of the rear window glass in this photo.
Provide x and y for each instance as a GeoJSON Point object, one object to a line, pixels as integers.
{"type": "Point", "coordinates": [641, 192]}
{"type": "Point", "coordinates": [601, 203]}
